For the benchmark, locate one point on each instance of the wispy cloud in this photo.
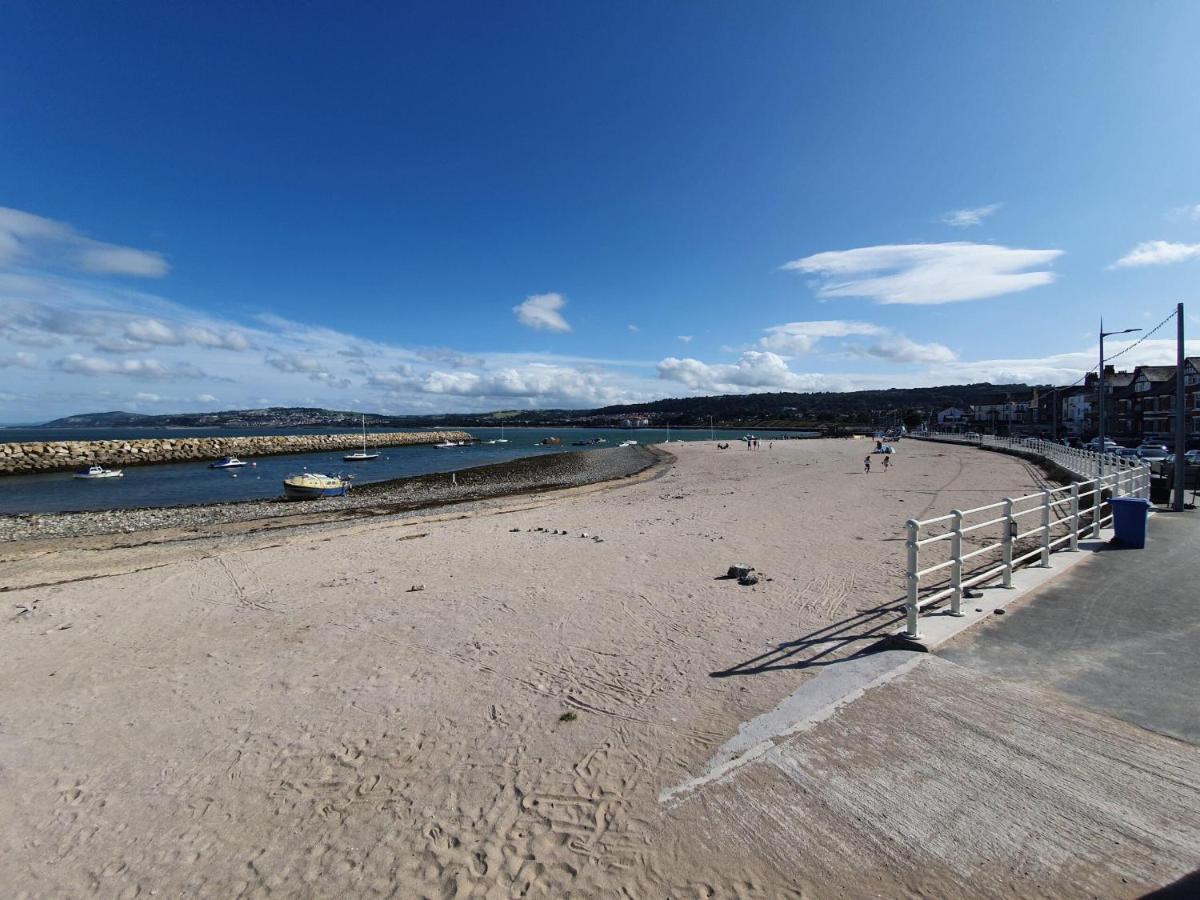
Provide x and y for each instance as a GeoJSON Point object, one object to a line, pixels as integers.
{"type": "Point", "coordinates": [21, 360]}
{"type": "Point", "coordinates": [799, 338]}
{"type": "Point", "coordinates": [633, 328]}
{"type": "Point", "coordinates": [925, 274]}
{"type": "Point", "coordinates": [151, 369]}
{"type": "Point", "coordinates": [541, 311]}
{"type": "Point", "coordinates": [1189, 212]}
{"type": "Point", "coordinates": [29, 238]}
{"type": "Point", "coordinates": [968, 218]}
{"type": "Point", "coordinates": [1157, 253]}
{"type": "Point", "coordinates": [802, 338]}
{"type": "Point", "coordinates": [686, 338]}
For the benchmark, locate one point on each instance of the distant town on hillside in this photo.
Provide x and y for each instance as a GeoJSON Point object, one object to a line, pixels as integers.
{"type": "Point", "coordinates": [1139, 405]}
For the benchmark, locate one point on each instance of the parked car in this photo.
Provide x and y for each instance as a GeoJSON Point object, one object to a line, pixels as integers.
{"type": "Point", "coordinates": [1152, 445]}
{"type": "Point", "coordinates": [1126, 453]}
{"type": "Point", "coordinates": [1152, 454]}
{"type": "Point", "coordinates": [1191, 458]}
{"type": "Point", "coordinates": [1109, 444]}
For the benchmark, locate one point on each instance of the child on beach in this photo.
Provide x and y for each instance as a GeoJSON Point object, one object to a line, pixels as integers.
{"type": "Point", "coordinates": [887, 463]}
{"type": "Point", "coordinates": [867, 465]}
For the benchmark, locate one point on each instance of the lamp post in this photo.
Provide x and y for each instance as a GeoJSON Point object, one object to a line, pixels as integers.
{"type": "Point", "coordinates": [1100, 414]}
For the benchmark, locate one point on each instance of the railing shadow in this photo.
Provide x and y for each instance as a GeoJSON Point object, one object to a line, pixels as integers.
{"type": "Point", "coordinates": [870, 625]}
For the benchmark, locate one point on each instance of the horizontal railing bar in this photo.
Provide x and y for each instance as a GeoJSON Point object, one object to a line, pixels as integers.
{"type": "Point", "coordinates": [982, 550]}
{"type": "Point", "coordinates": [1017, 560]}
{"type": "Point", "coordinates": [934, 598]}
{"type": "Point", "coordinates": [983, 576]}
{"type": "Point", "coordinates": [940, 565]}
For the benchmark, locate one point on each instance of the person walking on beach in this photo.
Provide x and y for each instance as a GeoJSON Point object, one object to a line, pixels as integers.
{"type": "Point", "coordinates": [887, 463]}
{"type": "Point", "coordinates": [867, 464]}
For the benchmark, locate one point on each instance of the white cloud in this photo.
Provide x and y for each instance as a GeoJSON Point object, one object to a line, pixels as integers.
{"type": "Point", "coordinates": [295, 362]}
{"type": "Point", "coordinates": [927, 273]}
{"type": "Point", "coordinates": [452, 357]}
{"type": "Point", "coordinates": [799, 338]}
{"type": "Point", "coordinates": [206, 398]}
{"type": "Point", "coordinates": [145, 397]}
{"type": "Point", "coordinates": [109, 260]}
{"type": "Point", "coordinates": [223, 339]}
{"type": "Point", "coordinates": [29, 238]}
{"type": "Point", "coordinates": [120, 345]}
{"type": "Point", "coordinates": [686, 338]}
{"type": "Point", "coordinates": [1059, 368]}
{"type": "Point", "coordinates": [967, 218]}
{"type": "Point", "coordinates": [542, 311]}
{"type": "Point", "coordinates": [537, 383]}
{"type": "Point", "coordinates": [633, 328]}
{"type": "Point", "coordinates": [1157, 253]}
{"type": "Point", "coordinates": [756, 370]}
{"type": "Point", "coordinates": [898, 348]}
{"type": "Point", "coordinates": [152, 369]}
{"type": "Point", "coordinates": [152, 331]}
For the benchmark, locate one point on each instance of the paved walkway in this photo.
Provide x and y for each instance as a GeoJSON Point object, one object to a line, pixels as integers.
{"type": "Point", "coordinates": [1118, 635]}
{"type": "Point", "coordinates": [1019, 759]}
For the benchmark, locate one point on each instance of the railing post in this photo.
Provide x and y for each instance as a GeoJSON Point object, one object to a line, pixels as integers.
{"type": "Point", "coordinates": [956, 564]}
{"type": "Point", "coordinates": [1074, 515]}
{"type": "Point", "coordinates": [1010, 529]}
{"type": "Point", "coordinates": [1046, 529]}
{"type": "Point", "coordinates": [1097, 500]}
{"type": "Point", "coordinates": [913, 579]}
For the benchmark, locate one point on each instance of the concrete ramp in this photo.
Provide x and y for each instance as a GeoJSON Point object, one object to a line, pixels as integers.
{"type": "Point", "coordinates": [949, 782]}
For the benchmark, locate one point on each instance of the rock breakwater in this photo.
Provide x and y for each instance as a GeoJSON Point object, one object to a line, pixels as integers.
{"type": "Point", "coordinates": [57, 456]}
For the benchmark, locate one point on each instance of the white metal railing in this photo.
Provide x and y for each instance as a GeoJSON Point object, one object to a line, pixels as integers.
{"type": "Point", "coordinates": [988, 542]}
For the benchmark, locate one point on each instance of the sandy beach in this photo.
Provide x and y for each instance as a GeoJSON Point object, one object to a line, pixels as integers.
{"type": "Point", "coordinates": [479, 700]}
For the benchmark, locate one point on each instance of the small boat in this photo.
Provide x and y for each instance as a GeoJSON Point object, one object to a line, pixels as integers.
{"type": "Point", "coordinates": [550, 442]}
{"type": "Point", "coordinates": [364, 454]}
{"type": "Point", "coordinates": [502, 439]}
{"type": "Point", "coordinates": [312, 486]}
{"type": "Point", "coordinates": [93, 472]}
{"type": "Point", "coordinates": [627, 444]}
{"type": "Point", "coordinates": [227, 462]}
{"type": "Point", "coordinates": [445, 445]}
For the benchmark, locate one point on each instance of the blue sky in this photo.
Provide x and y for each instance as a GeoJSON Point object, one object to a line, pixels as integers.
{"type": "Point", "coordinates": [475, 206]}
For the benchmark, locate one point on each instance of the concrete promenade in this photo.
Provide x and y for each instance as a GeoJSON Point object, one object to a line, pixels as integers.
{"type": "Point", "coordinates": [1050, 751]}
{"type": "Point", "coordinates": [1117, 635]}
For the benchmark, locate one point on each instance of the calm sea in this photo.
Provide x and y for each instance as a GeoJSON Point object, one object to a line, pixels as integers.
{"type": "Point", "coordinates": [179, 484]}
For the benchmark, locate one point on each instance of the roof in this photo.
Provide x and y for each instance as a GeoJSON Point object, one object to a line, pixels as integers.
{"type": "Point", "coordinates": [1156, 373]}
{"type": "Point", "coordinates": [1119, 379]}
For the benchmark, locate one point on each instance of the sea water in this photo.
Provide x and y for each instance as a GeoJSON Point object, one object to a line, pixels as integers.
{"type": "Point", "coordinates": [181, 484]}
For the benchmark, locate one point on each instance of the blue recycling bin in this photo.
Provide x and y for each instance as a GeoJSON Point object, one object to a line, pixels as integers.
{"type": "Point", "coordinates": [1130, 516]}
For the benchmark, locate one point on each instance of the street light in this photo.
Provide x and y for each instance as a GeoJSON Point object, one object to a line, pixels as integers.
{"type": "Point", "coordinates": [1100, 417]}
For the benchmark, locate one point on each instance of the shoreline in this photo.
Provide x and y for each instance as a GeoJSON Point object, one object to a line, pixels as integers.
{"type": "Point", "coordinates": [526, 475]}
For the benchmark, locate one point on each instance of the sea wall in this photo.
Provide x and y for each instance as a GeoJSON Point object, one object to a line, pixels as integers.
{"type": "Point", "coordinates": [56, 456]}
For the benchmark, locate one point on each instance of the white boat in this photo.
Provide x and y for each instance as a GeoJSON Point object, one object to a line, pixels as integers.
{"type": "Point", "coordinates": [502, 439]}
{"type": "Point", "coordinates": [94, 472]}
{"type": "Point", "coordinates": [364, 454]}
{"type": "Point", "coordinates": [227, 462]}
{"type": "Point", "coordinates": [446, 445]}
{"type": "Point", "coordinates": [627, 444]}
{"type": "Point", "coordinates": [311, 486]}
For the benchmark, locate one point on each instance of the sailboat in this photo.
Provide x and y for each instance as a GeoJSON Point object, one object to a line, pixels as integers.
{"type": "Point", "coordinates": [502, 439]}
{"type": "Point", "coordinates": [364, 454]}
